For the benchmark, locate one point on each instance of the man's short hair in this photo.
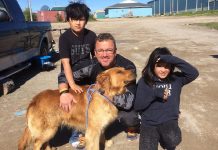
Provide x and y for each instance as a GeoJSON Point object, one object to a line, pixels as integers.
{"type": "Point", "coordinates": [77, 11]}
{"type": "Point", "coordinates": [104, 37]}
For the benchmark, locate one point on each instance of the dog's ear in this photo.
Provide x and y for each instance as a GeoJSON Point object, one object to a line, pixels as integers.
{"type": "Point", "coordinates": [103, 80]}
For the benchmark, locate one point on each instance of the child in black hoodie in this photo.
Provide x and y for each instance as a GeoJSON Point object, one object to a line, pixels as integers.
{"type": "Point", "coordinates": [158, 99]}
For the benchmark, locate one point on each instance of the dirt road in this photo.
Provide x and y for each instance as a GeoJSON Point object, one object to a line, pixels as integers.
{"type": "Point", "coordinates": [136, 38]}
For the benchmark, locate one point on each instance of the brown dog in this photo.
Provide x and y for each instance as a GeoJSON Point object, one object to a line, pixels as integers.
{"type": "Point", "coordinates": [44, 115]}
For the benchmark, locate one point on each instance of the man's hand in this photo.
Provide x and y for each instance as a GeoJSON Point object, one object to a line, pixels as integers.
{"type": "Point", "coordinates": [66, 101]}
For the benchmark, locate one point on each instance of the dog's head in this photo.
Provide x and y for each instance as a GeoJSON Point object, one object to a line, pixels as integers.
{"type": "Point", "coordinates": [114, 81]}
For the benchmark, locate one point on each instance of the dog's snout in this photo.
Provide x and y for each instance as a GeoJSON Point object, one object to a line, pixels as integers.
{"type": "Point", "coordinates": [133, 73]}
{"type": "Point", "coordinates": [133, 70]}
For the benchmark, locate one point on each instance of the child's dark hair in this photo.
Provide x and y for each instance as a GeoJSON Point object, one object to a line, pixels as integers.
{"type": "Point", "coordinates": [148, 71]}
{"type": "Point", "coordinates": [104, 37]}
{"type": "Point", "coordinates": [77, 11]}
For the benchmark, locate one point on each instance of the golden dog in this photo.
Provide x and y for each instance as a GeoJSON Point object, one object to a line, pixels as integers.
{"type": "Point", "coordinates": [44, 115]}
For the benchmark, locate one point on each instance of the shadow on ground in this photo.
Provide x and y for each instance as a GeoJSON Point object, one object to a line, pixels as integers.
{"type": "Point", "coordinates": [63, 134]}
{"type": "Point", "coordinates": [20, 78]}
{"type": "Point", "coordinates": [214, 56]}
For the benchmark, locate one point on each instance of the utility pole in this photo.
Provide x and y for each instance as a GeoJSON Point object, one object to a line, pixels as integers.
{"type": "Point", "coordinates": [201, 5]}
{"type": "Point", "coordinates": [186, 5]}
{"type": "Point", "coordinates": [154, 8]}
{"type": "Point", "coordinates": [208, 5]}
{"type": "Point", "coordinates": [172, 6]}
{"type": "Point", "coordinates": [30, 9]}
{"type": "Point", "coordinates": [177, 7]}
{"type": "Point", "coordinates": [159, 7]}
{"type": "Point", "coordinates": [164, 7]}
{"type": "Point", "coordinates": [196, 6]}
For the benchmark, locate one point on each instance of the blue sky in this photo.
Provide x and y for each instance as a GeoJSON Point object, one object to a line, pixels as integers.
{"type": "Point", "coordinates": [93, 4]}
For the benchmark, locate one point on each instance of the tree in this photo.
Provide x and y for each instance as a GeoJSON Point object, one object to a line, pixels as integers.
{"type": "Point", "coordinates": [45, 8]}
{"type": "Point", "coordinates": [91, 17]}
{"type": "Point", "coordinates": [59, 17]}
{"type": "Point", "coordinates": [26, 13]}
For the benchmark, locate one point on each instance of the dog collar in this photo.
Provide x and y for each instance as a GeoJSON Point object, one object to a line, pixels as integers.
{"type": "Point", "coordinates": [89, 93]}
{"type": "Point", "coordinates": [91, 90]}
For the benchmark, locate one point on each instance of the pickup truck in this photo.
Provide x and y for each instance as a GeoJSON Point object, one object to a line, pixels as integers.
{"type": "Point", "coordinates": [20, 41]}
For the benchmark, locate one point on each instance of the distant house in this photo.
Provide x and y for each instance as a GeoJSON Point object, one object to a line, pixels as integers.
{"type": "Point", "coordinates": [128, 8]}
{"type": "Point", "coordinates": [99, 14]}
{"type": "Point", "coordinates": [56, 14]}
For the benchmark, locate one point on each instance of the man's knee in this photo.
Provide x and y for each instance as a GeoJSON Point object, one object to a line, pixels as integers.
{"type": "Point", "coordinates": [129, 118]}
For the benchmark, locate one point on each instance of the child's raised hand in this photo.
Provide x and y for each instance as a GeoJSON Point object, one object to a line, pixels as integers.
{"type": "Point", "coordinates": [76, 88]}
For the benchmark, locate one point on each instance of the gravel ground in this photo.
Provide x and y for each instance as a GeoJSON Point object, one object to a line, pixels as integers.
{"type": "Point", "coordinates": [136, 38]}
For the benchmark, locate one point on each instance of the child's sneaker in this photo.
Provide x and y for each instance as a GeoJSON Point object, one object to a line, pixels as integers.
{"type": "Point", "coordinates": [75, 144]}
{"type": "Point", "coordinates": [131, 136]}
{"type": "Point", "coordinates": [77, 140]}
{"type": "Point", "coordinates": [82, 143]}
{"type": "Point", "coordinates": [132, 133]}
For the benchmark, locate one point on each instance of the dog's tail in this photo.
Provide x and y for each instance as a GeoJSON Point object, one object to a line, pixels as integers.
{"type": "Point", "coordinates": [25, 139]}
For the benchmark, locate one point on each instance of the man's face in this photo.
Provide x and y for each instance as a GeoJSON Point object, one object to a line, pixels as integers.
{"type": "Point", "coordinates": [105, 53]}
{"type": "Point", "coordinates": [77, 25]}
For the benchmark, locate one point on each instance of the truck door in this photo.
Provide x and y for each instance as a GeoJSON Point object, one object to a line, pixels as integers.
{"type": "Point", "coordinates": [13, 39]}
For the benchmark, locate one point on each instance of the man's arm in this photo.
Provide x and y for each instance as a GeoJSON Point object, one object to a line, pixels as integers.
{"type": "Point", "coordinates": [83, 73]}
{"type": "Point", "coordinates": [125, 101]}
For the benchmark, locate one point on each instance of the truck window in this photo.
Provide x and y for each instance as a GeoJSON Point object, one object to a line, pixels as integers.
{"type": "Point", "coordinates": [4, 15]}
{"type": "Point", "coordinates": [1, 4]}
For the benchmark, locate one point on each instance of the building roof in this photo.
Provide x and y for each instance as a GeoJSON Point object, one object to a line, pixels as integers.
{"type": "Point", "coordinates": [58, 9]}
{"type": "Point", "coordinates": [99, 11]}
{"type": "Point", "coordinates": [128, 5]}
{"type": "Point", "coordinates": [128, 1]}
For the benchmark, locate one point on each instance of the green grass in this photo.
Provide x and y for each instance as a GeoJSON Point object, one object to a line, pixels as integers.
{"type": "Point", "coordinates": [211, 25]}
{"type": "Point", "coordinates": [92, 18]}
{"type": "Point", "coordinates": [199, 13]}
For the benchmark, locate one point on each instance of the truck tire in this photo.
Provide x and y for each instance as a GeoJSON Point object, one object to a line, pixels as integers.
{"type": "Point", "coordinates": [44, 49]}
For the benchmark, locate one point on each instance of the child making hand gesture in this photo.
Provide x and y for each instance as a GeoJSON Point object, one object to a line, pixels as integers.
{"type": "Point", "coordinates": [158, 99]}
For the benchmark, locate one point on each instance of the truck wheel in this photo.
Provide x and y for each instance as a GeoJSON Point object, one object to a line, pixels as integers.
{"type": "Point", "coordinates": [44, 49]}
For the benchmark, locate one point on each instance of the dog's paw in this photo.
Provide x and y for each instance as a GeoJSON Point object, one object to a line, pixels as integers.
{"type": "Point", "coordinates": [109, 143]}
